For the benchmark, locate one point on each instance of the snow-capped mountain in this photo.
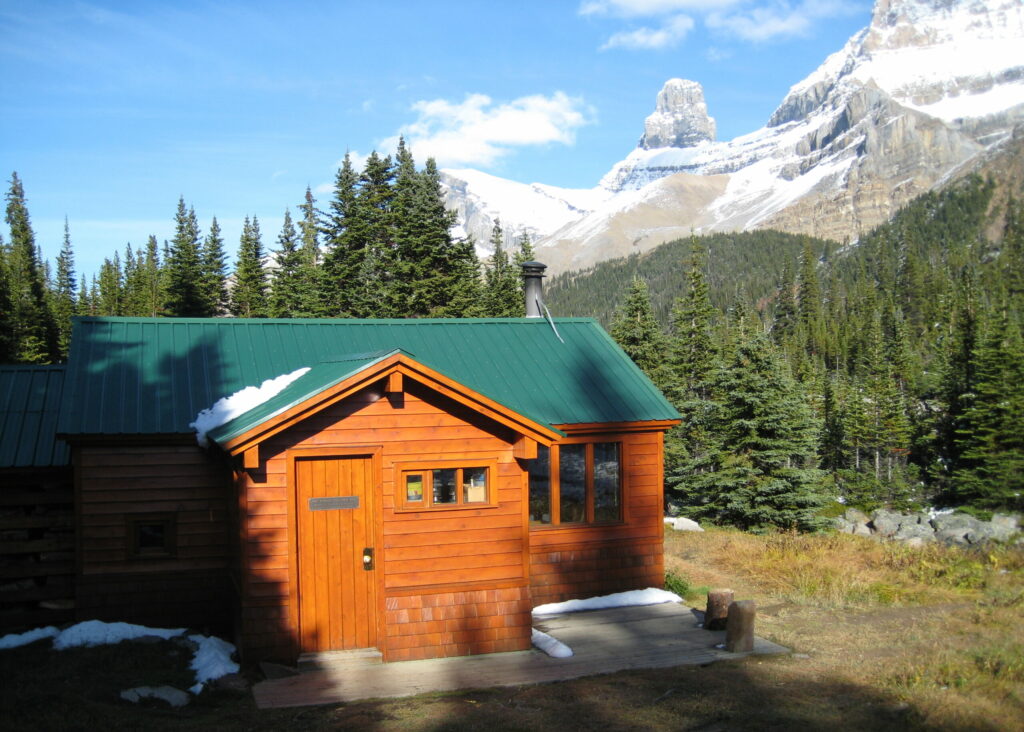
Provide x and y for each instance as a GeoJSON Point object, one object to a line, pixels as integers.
{"type": "Point", "coordinates": [909, 102]}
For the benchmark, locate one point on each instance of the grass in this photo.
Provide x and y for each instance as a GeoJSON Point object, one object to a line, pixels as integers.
{"type": "Point", "coordinates": [884, 637]}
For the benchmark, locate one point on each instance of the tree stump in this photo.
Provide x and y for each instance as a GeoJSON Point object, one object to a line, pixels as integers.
{"type": "Point", "coordinates": [718, 609]}
{"type": "Point", "coordinates": [739, 627]}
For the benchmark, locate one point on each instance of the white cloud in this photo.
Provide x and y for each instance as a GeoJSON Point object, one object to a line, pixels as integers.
{"type": "Point", "coordinates": [669, 34]}
{"type": "Point", "coordinates": [479, 131]}
{"type": "Point", "coordinates": [748, 20]}
{"type": "Point", "coordinates": [647, 8]}
{"type": "Point", "coordinates": [779, 19]}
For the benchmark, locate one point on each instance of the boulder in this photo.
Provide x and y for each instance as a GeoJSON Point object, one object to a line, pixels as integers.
{"type": "Point", "coordinates": [952, 536]}
{"type": "Point", "coordinates": [862, 530]}
{"type": "Point", "coordinates": [955, 522]}
{"type": "Point", "coordinates": [842, 525]}
{"type": "Point", "coordinates": [1004, 525]}
{"type": "Point", "coordinates": [886, 523]}
{"type": "Point", "coordinates": [909, 531]}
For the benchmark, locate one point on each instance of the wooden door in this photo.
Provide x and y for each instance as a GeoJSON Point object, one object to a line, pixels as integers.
{"type": "Point", "coordinates": [337, 593]}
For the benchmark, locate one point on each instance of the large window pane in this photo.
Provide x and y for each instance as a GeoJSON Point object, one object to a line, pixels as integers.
{"type": "Point", "coordinates": [607, 483]}
{"type": "Point", "coordinates": [445, 489]}
{"type": "Point", "coordinates": [572, 479]}
{"type": "Point", "coordinates": [474, 485]}
{"type": "Point", "coordinates": [539, 470]}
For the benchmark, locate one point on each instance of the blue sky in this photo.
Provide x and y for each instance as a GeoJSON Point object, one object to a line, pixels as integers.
{"type": "Point", "coordinates": [112, 110]}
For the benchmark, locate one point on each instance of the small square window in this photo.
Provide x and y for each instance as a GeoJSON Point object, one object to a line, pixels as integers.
{"type": "Point", "coordinates": [426, 488]}
{"type": "Point", "coordinates": [152, 535]}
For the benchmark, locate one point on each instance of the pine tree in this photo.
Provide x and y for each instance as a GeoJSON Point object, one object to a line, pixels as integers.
{"type": "Point", "coordinates": [214, 271]}
{"type": "Point", "coordinates": [637, 333]}
{"type": "Point", "coordinates": [502, 290]}
{"type": "Point", "coordinates": [152, 281]}
{"type": "Point", "coordinates": [286, 298]}
{"type": "Point", "coordinates": [185, 292]}
{"type": "Point", "coordinates": [249, 294]}
{"type": "Point", "coordinates": [64, 293]}
{"type": "Point", "coordinates": [35, 332]}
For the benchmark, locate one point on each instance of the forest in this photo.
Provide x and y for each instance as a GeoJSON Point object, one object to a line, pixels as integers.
{"type": "Point", "coordinates": [809, 374]}
{"type": "Point", "coordinates": [888, 373]}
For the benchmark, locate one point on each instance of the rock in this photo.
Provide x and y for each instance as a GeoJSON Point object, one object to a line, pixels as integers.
{"type": "Point", "coordinates": [955, 521]}
{"type": "Point", "coordinates": [952, 536]}
{"type": "Point", "coordinates": [982, 533]}
{"type": "Point", "coordinates": [235, 683]}
{"type": "Point", "coordinates": [862, 530]}
{"type": "Point", "coordinates": [855, 516]}
{"type": "Point", "coordinates": [174, 697]}
{"type": "Point", "coordinates": [1004, 526]}
{"type": "Point", "coordinates": [910, 530]}
{"type": "Point", "coordinates": [885, 523]}
{"type": "Point", "coordinates": [684, 524]}
{"type": "Point", "coordinates": [680, 117]}
{"type": "Point", "coordinates": [842, 525]}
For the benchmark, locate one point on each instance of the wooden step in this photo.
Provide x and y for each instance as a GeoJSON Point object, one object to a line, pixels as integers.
{"type": "Point", "coordinates": [355, 658]}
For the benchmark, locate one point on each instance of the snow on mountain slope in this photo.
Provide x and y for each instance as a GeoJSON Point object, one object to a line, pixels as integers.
{"type": "Point", "coordinates": [927, 87]}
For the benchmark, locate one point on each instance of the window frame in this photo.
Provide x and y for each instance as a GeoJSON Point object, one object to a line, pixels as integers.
{"type": "Point", "coordinates": [554, 485]}
{"type": "Point", "coordinates": [401, 470]}
{"type": "Point", "coordinates": [134, 523]}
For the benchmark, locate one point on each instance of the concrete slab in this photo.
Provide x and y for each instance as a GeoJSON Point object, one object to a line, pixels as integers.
{"type": "Point", "coordinates": [603, 641]}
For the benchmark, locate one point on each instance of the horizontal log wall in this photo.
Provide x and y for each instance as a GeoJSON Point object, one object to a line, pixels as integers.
{"type": "Point", "coordinates": [445, 553]}
{"type": "Point", "coordinates": [116, 482]}
{"type": "Point", "coordinates": [583, 562]}
{"type": "Point", "coordinates": [37, 542]}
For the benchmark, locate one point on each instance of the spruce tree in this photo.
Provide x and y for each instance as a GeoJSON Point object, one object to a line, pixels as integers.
{"type": "Point", "coordinates": [249, 294]}
{"type": "Point", "coordinates": [214, 271]}
{"type": "Point", "coordinates": [502, 290]}
{"type": "Point", "coordinates": [64, 293]}
{"type": "Point", "coordinates": [767, 476]}
{"type": "Point", "coordinates": [185, 293]}
{"type": "Point", "coordinates": [311, 270]}
{"type": "Point", "coordinates": [286, 298]}
{"type": "Point", "coordinates": [638, 334]}
{"type": "Point", "coordinates": [111, 289]}
{"type": "Point", "coordinates": [35, 331]}
{"type": "Point", "coordinates": [7, 337]}
{"type": "Point", "coordinates": [344, 256]}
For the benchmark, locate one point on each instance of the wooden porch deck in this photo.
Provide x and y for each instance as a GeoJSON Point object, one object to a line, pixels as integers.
{"type": "Point", "coordinates": [603, 641]}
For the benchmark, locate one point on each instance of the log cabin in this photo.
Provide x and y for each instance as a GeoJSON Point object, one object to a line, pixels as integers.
{"type": "Point", "coordinates": [416, 486]}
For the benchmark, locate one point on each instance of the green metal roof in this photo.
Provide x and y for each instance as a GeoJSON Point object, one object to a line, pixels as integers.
{"type": "Point", "coordinates": [30, 398]}
{"type": "Point", "coordinates": [153, 375]}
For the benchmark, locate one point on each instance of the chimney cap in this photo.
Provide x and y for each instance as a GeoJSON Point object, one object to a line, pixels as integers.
{"type": "Point", "coordinates": [534, 268]}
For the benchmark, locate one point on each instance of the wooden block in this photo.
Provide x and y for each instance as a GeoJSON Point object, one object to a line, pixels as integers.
{"type": "Point", "coordinates": [718, 609]}
{"type": "Point", "coordinates": [251, 458]}
{"type": "Point", "coordinates": [524, 448]}
{"type": "Point", "coordinates": [739, 627]}
{"type": "Point", "coordinates": [394, 383]}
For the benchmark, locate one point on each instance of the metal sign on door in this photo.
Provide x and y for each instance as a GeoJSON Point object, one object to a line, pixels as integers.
{"type": "Point", "coordinates": [333, 503]}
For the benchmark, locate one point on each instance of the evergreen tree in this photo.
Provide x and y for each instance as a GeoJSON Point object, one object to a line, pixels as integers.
{"type": "Point", "coordinates": [214, 271]}
{"type": "Point", "coordinates": [990, 440]}
{"type": "Point", "coordinates": [35, 337]}
{"type": "Point", "coordinates": [345, 250]}
{"type": "Point", "coordinates": [767, 476]}
{"type": "Point", "coordinates": [185, 292]}
{"type": "Point", "coordinates": [64, 293]}
{"type": "Point", "coordinates": [503, 296]}
{"type": "Point", "coordinates": [637, 333]}
{"type": "Point", "coordinates": [111, 289]}
{"type": "Point", "coordinates": [311, 271]}
{"type": "Point", "coordinates": [286, 298]}
{"type": "Point", "coordinates": [7, 337]}
{"type": "Point", "coordinates": [152, 281]}
{"type": "Point", "coordinates": [249, 294]}
{"type": "Point", "coordinates": [83, 302]}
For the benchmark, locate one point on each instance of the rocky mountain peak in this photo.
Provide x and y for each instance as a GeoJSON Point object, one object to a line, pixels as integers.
{"type": "Point", "coordinates": [680, 118]}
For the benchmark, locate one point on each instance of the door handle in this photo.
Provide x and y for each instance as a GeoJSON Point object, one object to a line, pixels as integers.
{"type": "Point", "coordinates": [368, 558]}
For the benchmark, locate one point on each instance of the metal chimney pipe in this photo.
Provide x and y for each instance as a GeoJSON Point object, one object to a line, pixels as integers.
{"type": "Point", "coordinates": [533, 288]}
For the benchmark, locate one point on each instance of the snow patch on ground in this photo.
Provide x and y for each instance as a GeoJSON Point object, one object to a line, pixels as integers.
{"type": "Point", "coordinates": [97, 633]}
{"type": "Point", "coordinates": [16, 640]}
{"type": "Point", "coordinates": [650, 596]}
{"type": "Point", "coordinates": [551, 646]}
{"type": "Point", "coordinates": [212, 660]}
{"type": "Point", "coordinates": [229, 407]}
{"type": "Point", "coordinates": [212, 657]}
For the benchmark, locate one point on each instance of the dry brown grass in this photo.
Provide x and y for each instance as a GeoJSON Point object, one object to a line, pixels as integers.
{"type": "Point", "coordinates": [936, 629]}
